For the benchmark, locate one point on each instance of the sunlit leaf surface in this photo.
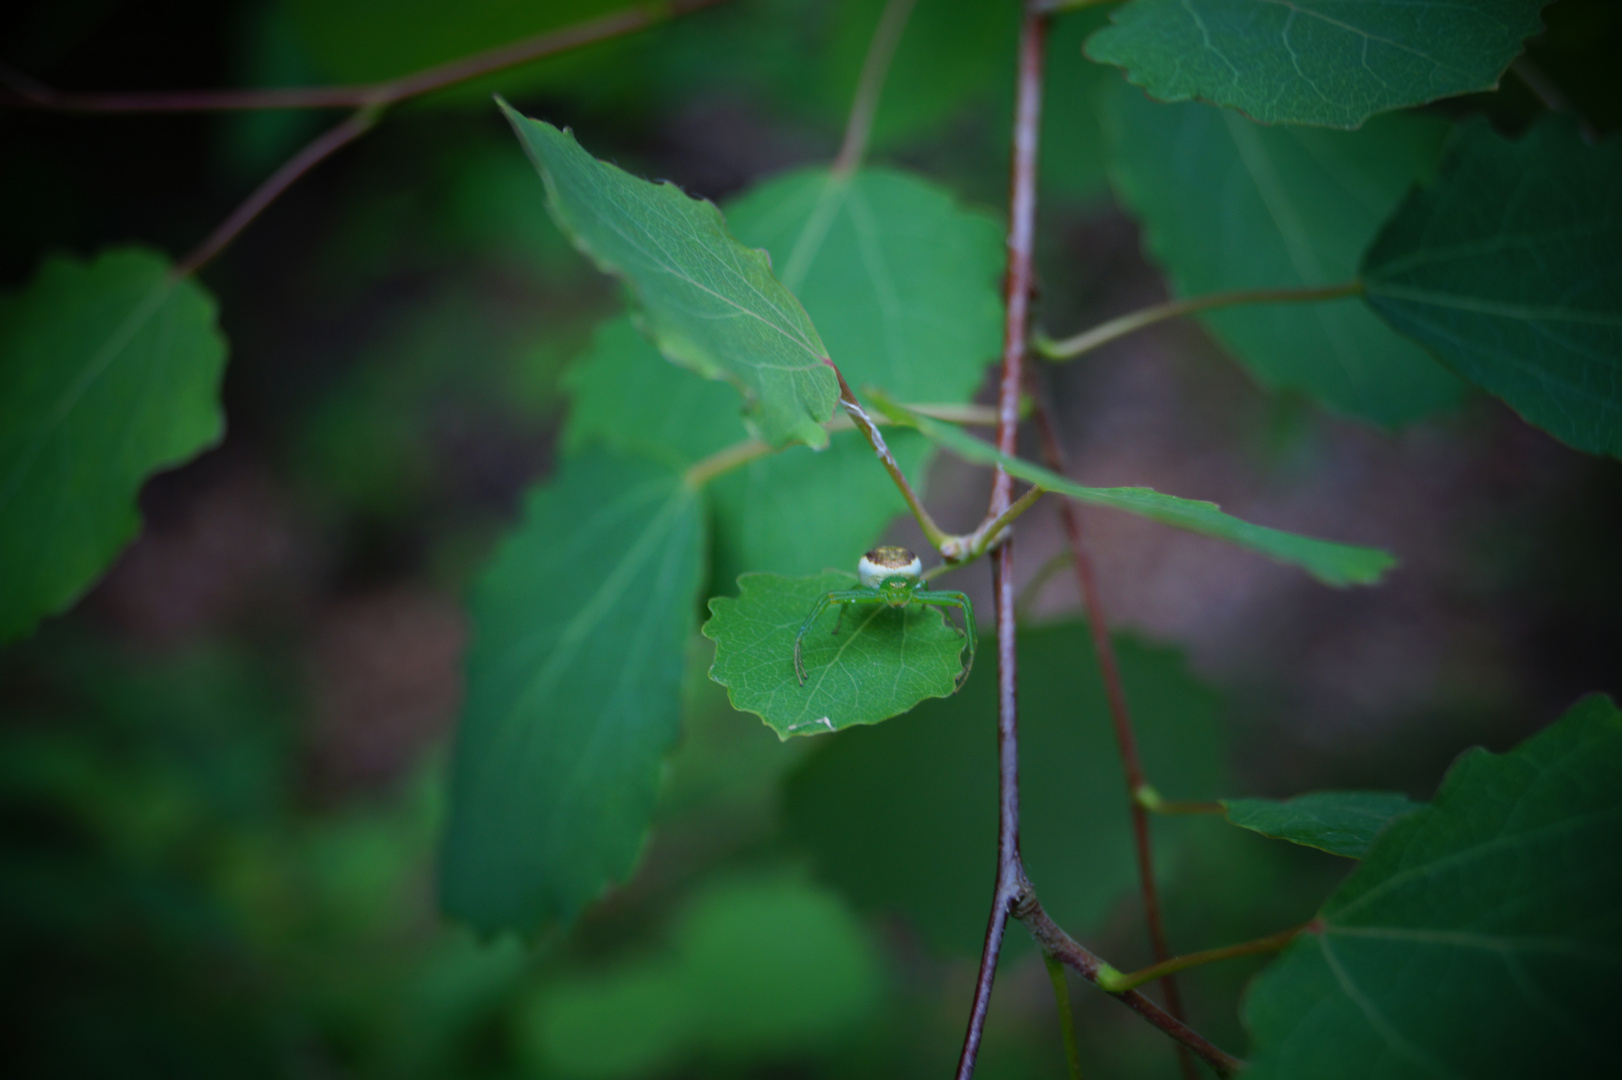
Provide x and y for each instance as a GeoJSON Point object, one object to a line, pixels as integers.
{"type": "Point", "coordinates": [882, 662]}
{"type": "Point", "coordinates": [707, 301]}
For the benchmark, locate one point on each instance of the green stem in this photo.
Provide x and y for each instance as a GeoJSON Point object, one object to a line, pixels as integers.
{"type": "Point", "coordinates": [937, 536]}
{"type": "Point", "coordinates": [1067, 1019]}
{"type": "Point", "coordinates": [724, 460]}
{"type": "Point", "coordinates": [958, 550]}
{"type": "Point", "coordinates": [1119, 327]}
{"type": "Point", "coordinates": [1116, 982]}
{"type": "Point", "coordinates": [870, 86]}
{"type": "Point", "coordinates": [742, 453]}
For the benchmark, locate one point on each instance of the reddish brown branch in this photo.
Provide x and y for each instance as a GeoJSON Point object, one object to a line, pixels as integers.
{"type": "Point", "coordinates": [283, 178]}
{"type": "Point", "coordinates": [1017, 297]}
{"type": "Point", "coordinates": [1055, 942]}
{"type": "Point", "coordinates": [1109, 670]}
{"type": "Point", "coordinates": [29, 92]}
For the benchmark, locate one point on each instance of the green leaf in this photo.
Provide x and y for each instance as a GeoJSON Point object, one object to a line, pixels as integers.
{"type": "Point", "coordinates": [109, 372]}
{"type": "Point", "coordinates": [1480, 937]}
{"type": "Point", "coordinates": [1325, 62]}
{"type": "Point", "coordinates": [1329, 562]}
{"type": "Point", "coordinates": [882, 662]}
{"type": "Point", "coordinates": [1339, 822]}
{"type": "Point", "coordinates": [903, 817]}
{"type": "Point", "coordinates": [573, 695]}
{"type": "Point", "coordinates": [1227, 204]}
{"type": "Point", "coordinates": [1509, 268]}
{"type": "Point", "coordinates": [802, 511]}
{"type": "Point", "coordinates": [754, 969]}
{"type": "Point", "coordinates": [797, 511]}
{"type": "Point", "coordinates": [901, 279]}
{"type": "Point", "coordinates": [625, 395]}
{"type": "Point", "coordinates": [705, 300]}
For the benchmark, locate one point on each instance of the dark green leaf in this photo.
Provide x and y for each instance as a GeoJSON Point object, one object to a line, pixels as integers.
{"type": "Point", "coordinates": [903, 817]}
{"type": "Point", "coordinates": [1330, 563]}
{"type": "Point", "coordinates": [705, 300]}
{"type": "Point", "coordinates": [900, 278]}
{"type": "Point", "coordinates": [109, 371]}
{"type": "Point", "coordinates": [573, 696]}
{"type": "Point", "coordinates": [1227, 204]}
{"type": "Point", "coordinates": [755, 968]}
{"type": "Point", "coordinates": [1339, 822]}
{"type": "Point", "coordinates": [882, 662]}
{"type": "Point", "coordinates": [1480, 937]}
{"type": "Point", "coordinates": [1509, 268]}
{"type": "Point", "coordinates": [1326, 62]}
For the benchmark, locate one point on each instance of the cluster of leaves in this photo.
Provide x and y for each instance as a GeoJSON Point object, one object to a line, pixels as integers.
{"type": "Point", "coordinates": [1478, 259]}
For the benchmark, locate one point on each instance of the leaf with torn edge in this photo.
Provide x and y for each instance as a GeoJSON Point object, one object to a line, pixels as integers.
{"type": "Point", "coordinates": [882, 662]}
{"type": "Point", "coordinates": [1329, 562]}
{"type": "Point", "coordinates": [707, 301]}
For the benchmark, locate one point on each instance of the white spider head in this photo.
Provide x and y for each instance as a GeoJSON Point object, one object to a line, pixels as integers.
{"type": "Point", "coordinates": [888, 562]}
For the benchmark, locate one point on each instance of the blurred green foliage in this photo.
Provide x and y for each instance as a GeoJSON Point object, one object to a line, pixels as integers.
{"type": "Point", "coordinates": [183, 890]}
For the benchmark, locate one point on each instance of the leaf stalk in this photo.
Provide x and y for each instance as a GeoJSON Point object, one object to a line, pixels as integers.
{"type": "Point", "coordinates": [1122, 325]}
{"type": "Point", "coordinates": [1115, 982]}
{"type": "Point", "coordinates": [1109, 671]}
{"type": "Point", "coordinates": [1055, 942]}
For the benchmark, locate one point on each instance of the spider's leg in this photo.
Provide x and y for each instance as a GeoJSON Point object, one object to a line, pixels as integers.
{"type": "Point", "coordinates": [961, 602]}
{"type": "Point", "coordinates": [847, 597]}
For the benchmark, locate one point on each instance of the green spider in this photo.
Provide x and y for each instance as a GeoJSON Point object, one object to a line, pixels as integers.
{"type": "Point", "coordinates": [893, 576]}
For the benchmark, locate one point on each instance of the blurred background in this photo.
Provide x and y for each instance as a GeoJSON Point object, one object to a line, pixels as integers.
{"type": "Point", "coordinates": [221, 775]}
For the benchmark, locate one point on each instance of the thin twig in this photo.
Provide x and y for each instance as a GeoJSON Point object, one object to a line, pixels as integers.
{"type": "Point", "coordinates": [1115, 981]}
{"type": "Point", "coordinates": [1132, 321]}
{"type": "Point", "coordinates": [1055, 942]}
{"type": "Point", "coordinates": [870, 85]}
{"type": "Point", "coordinates": [1109, 670]}
{"type": "Point", "coordinates": [869, 427]}
{"type": "Point", "coordinates": [1553, 98]}
{"type": "Point", "coordinates": [283, 178]}
{"type": "Point", "coordinates": [1067, 1016]}
{"type": "Point", "coordinates": [744, 451]}
{"type": "Point", "coordinates": [31, 92]}
{"type": "Point", "coordinates": [1010, 884]}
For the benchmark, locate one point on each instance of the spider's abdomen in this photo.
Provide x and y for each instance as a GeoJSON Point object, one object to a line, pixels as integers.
{"type": "Point", "coordinates": [888, 562]}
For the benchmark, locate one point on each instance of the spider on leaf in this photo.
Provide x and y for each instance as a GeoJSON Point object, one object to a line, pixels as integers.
{"type": "Point", "coordinates": [893, 576]}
